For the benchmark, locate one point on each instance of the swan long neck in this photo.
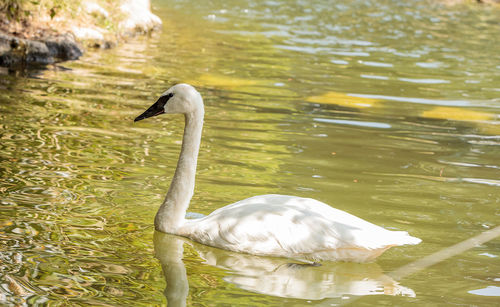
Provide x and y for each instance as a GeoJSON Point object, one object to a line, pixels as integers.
{"type": "Point", "coordinates": [171, 214]}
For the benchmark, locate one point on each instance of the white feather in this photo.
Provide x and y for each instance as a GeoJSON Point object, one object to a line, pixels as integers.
{"type": "Point", "coordinates": [295, 227]}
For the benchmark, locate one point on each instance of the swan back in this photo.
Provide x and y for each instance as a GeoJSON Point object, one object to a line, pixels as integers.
{"type": "Point", "coordinates": [295, 227]}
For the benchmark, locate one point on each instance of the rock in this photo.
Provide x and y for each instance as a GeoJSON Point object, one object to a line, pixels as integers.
{"type": "Point", "coordinates": [37, 52]}
{"type": "Point", "coordinates": [139, 18]}
{"type": "Point", "coordinates": [461, 2]}
{"type": "Point", "coordinates": [17, 51]}
{"type": "Point", "coordinates": [95, 9]}
{"type": "Point", "coordinates": [64, 47]}
{"type": "Point", "coordinates": [5, 44]}
{"type": "Point", "coordinates": [94, 37]}
{"type": "Point", "coordinates": [8, 50]}
{"type": "Point", "coordinates": [84, 33]}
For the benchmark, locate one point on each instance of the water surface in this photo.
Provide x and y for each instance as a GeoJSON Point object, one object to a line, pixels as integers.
{"type": "Point", "coordinates": [387, 110]}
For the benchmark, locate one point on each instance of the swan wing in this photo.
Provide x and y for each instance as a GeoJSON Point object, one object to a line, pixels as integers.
{"type": "Point", "coordinates": [288, 226]}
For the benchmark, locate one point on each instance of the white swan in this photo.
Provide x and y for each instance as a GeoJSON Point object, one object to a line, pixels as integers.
{"type": "Point", "coordinates": [267, 225]}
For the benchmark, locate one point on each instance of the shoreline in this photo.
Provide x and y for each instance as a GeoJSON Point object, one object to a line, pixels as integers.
{"type": "Point", "coordinates": [44, 39]}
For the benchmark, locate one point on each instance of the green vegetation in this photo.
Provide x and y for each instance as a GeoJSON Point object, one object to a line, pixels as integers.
{"type": "Point", "coordinates": [21, 9]}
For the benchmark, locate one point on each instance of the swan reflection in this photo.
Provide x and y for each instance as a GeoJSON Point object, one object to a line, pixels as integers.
{"type": "Point", "coordinates": [273, 276]}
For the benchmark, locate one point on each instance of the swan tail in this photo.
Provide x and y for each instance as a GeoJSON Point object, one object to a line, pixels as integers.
{"type": "Point", "coordinates": [403, 238]}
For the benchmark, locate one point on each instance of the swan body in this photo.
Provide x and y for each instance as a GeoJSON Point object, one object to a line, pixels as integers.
{"type": "Point", "coordinates": [266, 225]}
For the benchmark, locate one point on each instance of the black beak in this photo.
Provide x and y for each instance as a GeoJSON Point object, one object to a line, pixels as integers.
{"type": "Point", "coordinates": [156, 109]}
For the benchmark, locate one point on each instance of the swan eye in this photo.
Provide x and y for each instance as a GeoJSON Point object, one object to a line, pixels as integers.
{"type": "Point", "coordinates": [164, 99]}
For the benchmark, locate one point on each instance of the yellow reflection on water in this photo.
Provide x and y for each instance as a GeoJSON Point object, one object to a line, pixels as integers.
{"type": "Point", "coordinates": [212, 80]}
{"type": "Point", "coordinates": [486, 122]}
{"type": "Point", "coordinates": [344, 100]}
{"type": "Point", "coordinates": [454, 113]}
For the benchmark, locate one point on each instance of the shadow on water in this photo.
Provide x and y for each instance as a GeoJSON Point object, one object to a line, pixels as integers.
{"type": "Point", "coordinates": [279, 277]}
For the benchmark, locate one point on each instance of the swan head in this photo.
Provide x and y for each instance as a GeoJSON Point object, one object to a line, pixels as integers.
{"type": "Point", "coordinates": [180, 98]}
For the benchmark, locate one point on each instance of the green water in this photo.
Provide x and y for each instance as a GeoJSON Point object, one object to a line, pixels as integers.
{"type": "Point", "coordinates": [386, 109]}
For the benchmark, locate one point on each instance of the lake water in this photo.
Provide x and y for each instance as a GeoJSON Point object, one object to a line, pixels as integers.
{"type": "Point", "coordinates": [389, 110]}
